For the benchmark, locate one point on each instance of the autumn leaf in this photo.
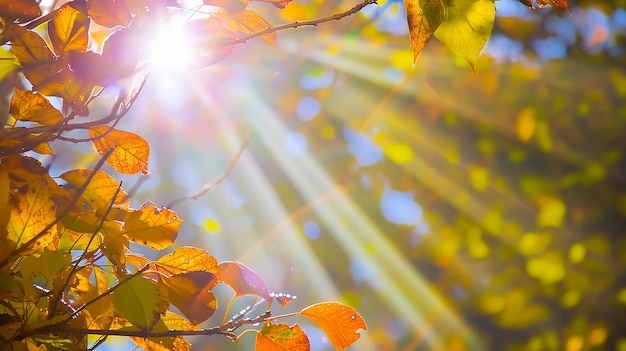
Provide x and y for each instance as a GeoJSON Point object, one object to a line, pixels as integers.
{"type": "Point", "coordinates": [100, 190]}
{"type": "Point", "coordinates": [33, 107]}
{"type": "Point", "coordinates": [36, 58]}
{"type": "Point", "coordinates": [281, 337]}
{"type": "Point", "coordinates": [424, 17]}
{"type": "Point", "coordinates": [231, 6]}
{"type": "Point", "coordinates": [340, 322]}
{"type": "Point", "coordinates": [131, 151]}
{"type": "Point", "coordinates": [243, 280]}
{"type": "Point", "coordinates": [69, 30]}
{"type": "Point", "coordinates": [209, 37]}
{"type": "Point", "coordinates": [152, 227]}
{"type": "Point", "coordinates": [248, 22]}
{"type": "Point", "coordinates": [32, 211]}
{"type": "Point", "coordinates": [138, 300]}
{"type": "Point", "coordinates": [190, 293]}
{"type": "Point", "coordinates": [20, 10]}
{"type": "Point", "coordinates": [187, 259]}
{"type": "Point", "coordinates": [466, 27]}
{"type": "Point", "coordinates": [109, 13]}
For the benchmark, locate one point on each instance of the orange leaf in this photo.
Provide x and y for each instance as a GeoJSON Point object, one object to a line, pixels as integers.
{"type": "Point", "coordinates": [20, 10]}
{"type": "Point", "coordinates": [69, 30]}
{"type": "Point", "coordinates": [190, 293]}
{"type": "Point", "coordinates": [208, 37]}
{"type": "Point", "coordinates": [187, 259]}
{"type": "Point", "coordinates": [340, 322]}
{"type": "Point", "coordinates": [423, 16]}
{"type": "Point", "coordinates": [248, 22]}
{"type": "Point", "coordinates": [99, 192]}
{"type": "Point", "coordinates": [109, 13]}
{"type": "Point", "coordinates": [152, 227]}
{"type": "Point", "coordinates": [131, 151]}
{"type": "Point", "coordinates": [36, 58]}
{"type": "Point", "coordinates": [556, 3]}
{"type": "Point", "coordinates": [243, 280]}
{"type": "Point", "coordinates": [34, 107]}
{"type": "Point", "coordinates": [281, 337]}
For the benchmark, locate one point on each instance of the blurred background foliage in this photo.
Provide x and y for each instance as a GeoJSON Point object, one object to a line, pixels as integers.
{"type": "Point", "coordinates": [454, 211]}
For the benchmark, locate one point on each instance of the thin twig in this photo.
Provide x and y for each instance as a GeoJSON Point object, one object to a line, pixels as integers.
{"type": "Point", "coordinates": [210, 185]}
{"type": "Point", "coordinates": [297, 24]}
{"type": "Point", "coordinates": [59, 294]}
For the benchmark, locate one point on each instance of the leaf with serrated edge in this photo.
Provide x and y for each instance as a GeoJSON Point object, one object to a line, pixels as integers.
{"type": "Point", "coordinates": [138, 300]}
{"type": "Point", "coordinates": [33, 107]}
{"type": "Point", "coordinates": [152, 227]}
{"type": "Point", "coordinates": [69, 30]}
{"type": "Point", "coordinates": [281, 337]}
{"type": "Point", "coordinates": [466, 27]}
{"type": "Point", "coordinates": [187, 259]}
{"type": "Point", "coordinates": [100, 190]}
{"type": "Point", "coordinates": [340, 322]}
{"type": "Point", "coordinates": [423, 17]}
{"type": "Point", "coordinates": [131, 151]}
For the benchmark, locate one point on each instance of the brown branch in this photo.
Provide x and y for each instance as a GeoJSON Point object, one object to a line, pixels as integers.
{"type": "Point", "coordinates": [334, 17]}
{"type": "Point", "coordinates": [210, 185]}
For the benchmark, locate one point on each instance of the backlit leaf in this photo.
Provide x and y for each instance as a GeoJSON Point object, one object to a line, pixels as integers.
{"type": "Point", "coordinates": [340, 322]}
{"type": "Point", "coordinates": [248, 22]}
{"type": "Point", "coordinates": [69, 30]}
{"type": "Point", "coordinates": [33, 107]}
{"type": "Point", "coordinates": [8, 63]}
{"type": "Point", "coordinates": [281, 337]}
{"type": "Point", "coordinates": [54, 263]}
{"type": "Point", "coordinates": [138, 300]}
{"type": "Point", "coordinates": [100, 190]}
{"type": "Point", "coordinates": [466, 27]}
{"type": "Point", "coordinates": [243, 280]}
{"type": "Point", "coordinates": [423, 17]}
{"type": "Point", "coordinates": [131, 151]}
{"type": "Point", "coordinates": [109, 13]}
{"type": "Point", "coordinates": [20, 10]}
{"type": "Point", "coordinates": [208, 38]}
{"type": "Point", "coordinates": [36, 58]}
{"type": "Point", "coordinates": [32, 210]}
{"type": "Point", "coordinates": [190, 293]}
{"type": "Point", "coordinates": [152, 227]}
{"type": "Point", "coordinates": [554, 3]}
{"type": "Point", "coordinates": [187, 259]}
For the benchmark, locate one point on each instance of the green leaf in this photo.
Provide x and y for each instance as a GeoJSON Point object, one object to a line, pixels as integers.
{"type": "Point", "coordinates": [138, 300]}
{"type": "Point", "coordinates": [466, 27]}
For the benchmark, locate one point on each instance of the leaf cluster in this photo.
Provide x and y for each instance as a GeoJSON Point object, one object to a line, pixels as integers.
{"type": "Point", "coordinates": [68, 261]}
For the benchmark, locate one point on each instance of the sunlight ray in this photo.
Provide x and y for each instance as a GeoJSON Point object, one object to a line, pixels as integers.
{"type": "Point", "coordinates": [401, 286]}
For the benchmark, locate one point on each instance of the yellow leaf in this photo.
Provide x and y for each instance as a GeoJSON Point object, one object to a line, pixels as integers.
{"type": "Point", "coordinates": [281, 337]}
{"type": "Point", "coordinates": [525, 124]}
{"type": "Point", "coordinates": [187, 259]}
{"type": "Point", "coordinates": [247, 22]}
{"type": "Point", "coordinates": [31, 213]}
{"type": "Point", "coordinates": [131, 151]}
{"type": "Point", "coordinates": [33, 107]}
{"type": "Point", "coordinates": [100, 190]}
{"type": "Point", "coordinates": [548, 267]}
{"type": "Point", "coordinates": [423, 17]}
{"type": "Point", "coordinates": [152, 227]}
{"type": "Point", "coordinates": [69, 30]}
{"type": "Point", "coordinates": [340, 322]}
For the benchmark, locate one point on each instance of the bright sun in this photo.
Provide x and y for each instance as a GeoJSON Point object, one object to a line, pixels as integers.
{"type": "Point", "coordinates": [170, 50]}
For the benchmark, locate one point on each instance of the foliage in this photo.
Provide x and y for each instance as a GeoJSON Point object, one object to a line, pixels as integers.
{"type": "Point", "coordinates": [69, 261]}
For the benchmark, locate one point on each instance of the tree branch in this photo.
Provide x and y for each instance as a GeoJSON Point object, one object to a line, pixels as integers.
{"type": "Point", "coordinates": [334, 17]}
{"type": "Point", "coordinates": [210, 185]}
